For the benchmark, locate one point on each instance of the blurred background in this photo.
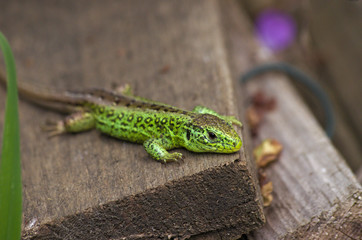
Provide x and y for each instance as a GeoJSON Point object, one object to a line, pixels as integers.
{"type": "Point", "coordinates": [323, 39]}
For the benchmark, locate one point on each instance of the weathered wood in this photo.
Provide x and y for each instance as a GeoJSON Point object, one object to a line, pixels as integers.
{"type": "Point", "coordinates": [89, 186]}
{"type": "Point", "coordinates": [341, 52]}
{"type": "Point", "coordinates": [316, 196]}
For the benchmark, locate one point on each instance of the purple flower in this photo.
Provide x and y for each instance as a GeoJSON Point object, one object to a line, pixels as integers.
{"type": "Point", "coordinates": [275, 29]}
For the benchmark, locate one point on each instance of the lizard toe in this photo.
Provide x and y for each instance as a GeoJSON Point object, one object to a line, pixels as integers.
{"type": "Point", "coordinates": [54, 128]}
{"type": "Point", "coordinates": [173, 157]}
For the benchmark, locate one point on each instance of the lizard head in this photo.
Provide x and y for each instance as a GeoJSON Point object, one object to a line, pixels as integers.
{"type": "Point", "coordinates": [209, 133]}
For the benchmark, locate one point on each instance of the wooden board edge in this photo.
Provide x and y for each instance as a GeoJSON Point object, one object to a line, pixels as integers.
{"type": "Point", "coordinates": [342, 221]}
{"type": "Point", "coordinates": [216, 199]}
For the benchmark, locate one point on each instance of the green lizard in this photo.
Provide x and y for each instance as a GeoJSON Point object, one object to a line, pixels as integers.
{"type": "Point", "coordinates": [159, 127]}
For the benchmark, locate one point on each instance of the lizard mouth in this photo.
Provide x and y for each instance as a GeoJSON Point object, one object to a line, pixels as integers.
{"type": "Point", "coordinates": [237, 147]}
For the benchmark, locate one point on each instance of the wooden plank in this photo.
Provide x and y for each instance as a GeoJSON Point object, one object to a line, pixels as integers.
{"type": "Point", "coordinates": [343, 67]}
{"type": "Point", "coordinates": [316, 196]}
{"type": "Point", "coordinates": [342, 63]}
{"type": "Point", "coordinates": [89, 186]}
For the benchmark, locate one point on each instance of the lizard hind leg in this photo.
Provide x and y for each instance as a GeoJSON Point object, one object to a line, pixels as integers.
{"type": "Point", "coordinates": [76, 122]}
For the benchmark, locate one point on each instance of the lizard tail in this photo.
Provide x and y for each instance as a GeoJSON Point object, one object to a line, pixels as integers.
{"type": "Point", "coordinates": [45, 97]}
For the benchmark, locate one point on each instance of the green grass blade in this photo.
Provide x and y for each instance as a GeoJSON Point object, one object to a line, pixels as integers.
{"type": "Point", "coordinates": [10, 167]}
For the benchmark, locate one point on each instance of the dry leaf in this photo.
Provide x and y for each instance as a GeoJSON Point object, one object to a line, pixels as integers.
{"type": "Point", "coordinates": [266, 192]}
{"type": "Point", "coordinates": [262, 177]}
{"type": "Point", "coordinates": [268, 151]}
{"type": "Point", "coordinates": [254, 119]}
{"type": "Point", "coordinates": [262, 102]}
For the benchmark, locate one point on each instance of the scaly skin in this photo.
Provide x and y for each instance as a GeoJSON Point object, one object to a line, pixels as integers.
{"type": "Point", "coordinates": [159, 127]}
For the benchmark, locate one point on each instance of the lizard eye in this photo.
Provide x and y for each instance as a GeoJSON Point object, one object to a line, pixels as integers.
{"type": "Point", "coordinates": [212, 135]}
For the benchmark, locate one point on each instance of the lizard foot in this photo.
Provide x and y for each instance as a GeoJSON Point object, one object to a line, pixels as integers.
{"type": "Point", "coordinates": [172, 157]}
{"type": "Point", "coordinates": [54, 128]}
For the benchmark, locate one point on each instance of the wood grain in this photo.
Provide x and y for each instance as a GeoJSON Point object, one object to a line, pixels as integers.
{"type": "Point", "coordinates": [89, 186]}
{"type": "Point", "coordinates": [316, 196]}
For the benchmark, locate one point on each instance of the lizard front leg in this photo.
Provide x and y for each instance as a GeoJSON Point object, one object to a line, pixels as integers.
{"type": "Point", "coordinates": [77, 122]}
{"type": "Point", "coordinates": [229, 119]}
{"type": "Point", "coordinates": [157, 148]}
